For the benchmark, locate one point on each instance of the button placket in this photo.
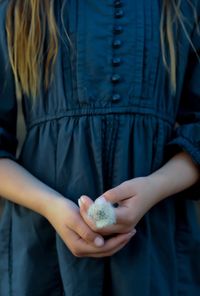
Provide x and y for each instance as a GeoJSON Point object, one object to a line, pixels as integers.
{"type": "Point", "coordinates": [119, 13]}
{"type": "Point", "coordinates": [116, 61]}
{"type": "Point", "coordinates": [117, 29]}
{"type": "Point", "coordinates": [116, 44]}
{"type": "Point", "coordinates": [118, 3]}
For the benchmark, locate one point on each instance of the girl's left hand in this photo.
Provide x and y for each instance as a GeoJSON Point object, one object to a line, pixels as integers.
{"type": "Point", "coordinates": [134, 198]}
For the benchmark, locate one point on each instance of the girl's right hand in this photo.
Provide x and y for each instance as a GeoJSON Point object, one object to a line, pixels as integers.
{"type": "Point", "coordinates": [64, 216]}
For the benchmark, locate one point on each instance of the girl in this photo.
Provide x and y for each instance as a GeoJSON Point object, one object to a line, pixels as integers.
{"type": "Point", "coordinates": [102, 85]}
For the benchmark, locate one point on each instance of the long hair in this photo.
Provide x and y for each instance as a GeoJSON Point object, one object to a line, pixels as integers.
{"type": "Point", "coordinates": [32, 44]}
{"type": "Point", "coordinates": [32, 37]}
{"type": "Point", "coordinates": [171, 19]}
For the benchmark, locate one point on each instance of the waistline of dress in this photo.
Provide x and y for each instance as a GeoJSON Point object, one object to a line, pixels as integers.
{"type": "Point", "coordinates": [93, 111]}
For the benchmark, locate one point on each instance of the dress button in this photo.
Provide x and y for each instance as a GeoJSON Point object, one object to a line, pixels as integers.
{"type": "Point", "coordinates": [117, 29]}
{"type": "Point", "coordinates": [116, 61]}
{"type": "Point", "coordinates": [119, 13]}
{"type": "Point", "coordinates": [117, 43]}
{"type": "Point", "coordinates": [118, 3]}
{"type": "Point", "coordinates": [115, 78]}
{"type": "Point", "coordinates": [116, 97]}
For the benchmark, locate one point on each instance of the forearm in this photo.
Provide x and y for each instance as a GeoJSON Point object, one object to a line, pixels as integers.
{"type": "Point", "coordinates": [21, 187]}
{"type": "Point", "coordinates": [177, 174]}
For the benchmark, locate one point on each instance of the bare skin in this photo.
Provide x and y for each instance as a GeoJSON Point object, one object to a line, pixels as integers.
{"type": "Point", "coordinates": [21, 187]}
{"type": "Point", "coordinates": [135, 198]}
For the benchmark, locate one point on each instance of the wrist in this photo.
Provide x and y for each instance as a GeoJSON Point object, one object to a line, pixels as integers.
{"type": "Point", "coordinates": [48, 202]}
{"type": "Point", "coordinates": [159, 183]}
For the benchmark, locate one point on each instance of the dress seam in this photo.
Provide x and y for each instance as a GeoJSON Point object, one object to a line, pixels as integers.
{"type": "Point", "coordinates": [104, 152]}
{"type": "Point", "coordinates": [101, 111]}
{"type": "Point", "coordinates": [112, 147]}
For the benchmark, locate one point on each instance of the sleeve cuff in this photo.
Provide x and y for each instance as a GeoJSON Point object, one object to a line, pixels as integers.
{"type": "Point", "coordinates": [177, 145]}
{"type": "Point", "coordinates": [6, 154]}
{"type": "Point", "coordinates": [181, 143]}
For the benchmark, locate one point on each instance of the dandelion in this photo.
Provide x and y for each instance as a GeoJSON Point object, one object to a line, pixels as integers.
{"type": "Point", "coordinates": [102, 213]}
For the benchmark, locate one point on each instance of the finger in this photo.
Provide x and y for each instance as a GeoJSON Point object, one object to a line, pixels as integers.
{"type": "Point", "coordinates": [118, 193]}
{"type": "Point", "coordinates": [80, 248]}
{"type": "Point", "coordinates": [83, 249]}
{"type": "Point", "coordinates": [115, 229]}
{"type": "Point", "coordinates": [111, 252]}
{"type": "Point", "coordinates": [123, 215]}
{"type": "Point", "coordinates": [114, 242]}
{"type": "Point", "coordinates": [106, 254]}
{"type": "Point", "coordinates": [108, 230]}
{"type": "Point", "coordinates": [123, 222]}
{"type": "Point", "coordinates": [87, 234]}
{"type": "Point", "coordinates": [86, 201]}
{"type": "Point", "coordinates": [122, 225]}
{"type": "Point", "coordinates": [86, 218]}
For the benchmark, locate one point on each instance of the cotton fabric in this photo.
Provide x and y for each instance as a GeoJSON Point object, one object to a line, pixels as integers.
{"type": "Point", "coordinates": [102, 122]}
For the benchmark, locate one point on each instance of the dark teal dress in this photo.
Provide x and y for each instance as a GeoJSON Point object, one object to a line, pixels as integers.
{"type": "Point", "coordinates": [109, 116]}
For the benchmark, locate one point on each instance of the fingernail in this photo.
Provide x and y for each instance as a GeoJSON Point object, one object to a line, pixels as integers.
{"type": "Point", "coordinates": [79, 202]}
{"type": "Point", "coordinates": [133, 231]}
{"type": "Point", "coordinates": [101, 199]}
{"type": "Point", "coordinates": [82, 199]}
{"type": "Point", "coordinates": [99, 242]}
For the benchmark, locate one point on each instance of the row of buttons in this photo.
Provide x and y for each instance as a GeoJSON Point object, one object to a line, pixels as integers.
{"type": "Point", "coordinates": [117, 30]}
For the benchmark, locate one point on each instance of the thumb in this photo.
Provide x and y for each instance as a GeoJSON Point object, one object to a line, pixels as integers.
{"type": "Point", "coordinates": [85, 202]}
{"type": "Point", "coordinates": [118, 193]}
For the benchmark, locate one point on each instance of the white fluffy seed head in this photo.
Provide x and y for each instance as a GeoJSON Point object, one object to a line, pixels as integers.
{"type": "Point", "coordinates": [102, 213]}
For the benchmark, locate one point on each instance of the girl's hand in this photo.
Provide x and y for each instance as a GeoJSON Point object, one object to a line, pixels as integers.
{"type": "Point", "coordinates": [134, 198]}
{"type": "Point", "coordinates": [65, 217]}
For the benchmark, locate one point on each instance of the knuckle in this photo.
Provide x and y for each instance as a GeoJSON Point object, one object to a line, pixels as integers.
{"type": "Point", "coordinates": [103, 232]}
{"type": "Point", "coordinates": [119, 188]}
{"type": "Point", "coordinates": [73, 222]}
{"type": "Point", "coordinates": [109, 192]}
{"type": "Point", "coordinates": [93, 227]}
{"type": "Point", "coordinates": [87, 235]}
{"type": "Point", "coordinates": [129, 221]}
{"type": "Point", "coordinates": [128, 229]}
{"type": "Point", "coordinates": [125, 184]}
{"type": "Point", "coordinates": [78, 255]}
{"type": "Point", "coordinates": [76, 252]}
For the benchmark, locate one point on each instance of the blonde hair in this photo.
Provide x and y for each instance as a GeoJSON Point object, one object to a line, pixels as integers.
{"type": "Point", "coordinates": [29, 22]}
{"type": "Point", "coordinates": [171, 14]}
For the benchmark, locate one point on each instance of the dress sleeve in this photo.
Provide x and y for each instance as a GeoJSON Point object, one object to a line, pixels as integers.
{"type": "Point", "coordinates": [8, 101]}
{"type": "Point", "coordinates": [187, 135]}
